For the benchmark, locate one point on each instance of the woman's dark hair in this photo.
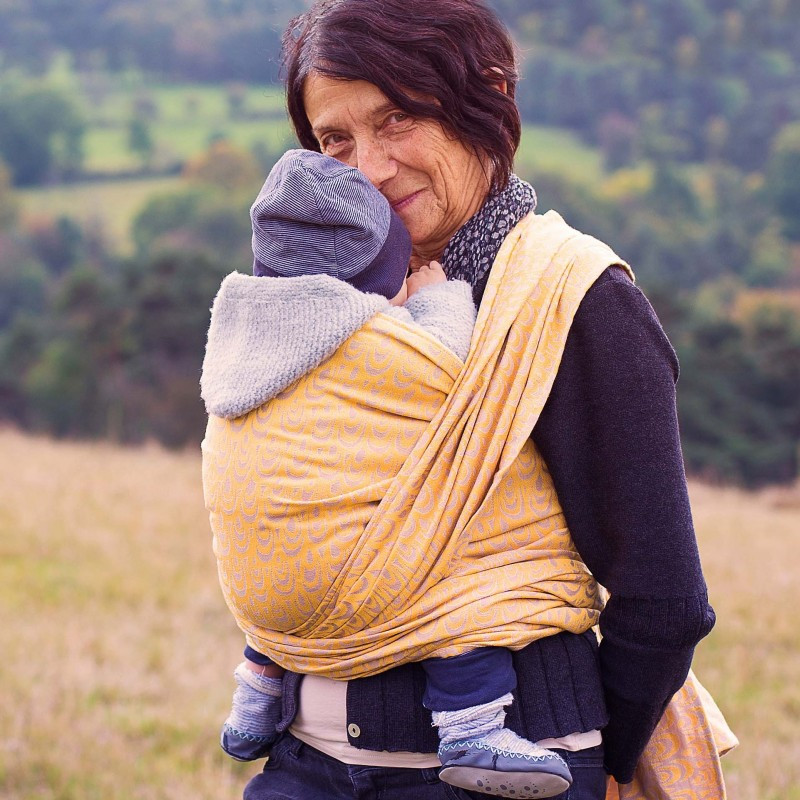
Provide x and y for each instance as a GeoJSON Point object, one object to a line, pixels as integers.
{"type": "Point", "coordinates": [435, 59]}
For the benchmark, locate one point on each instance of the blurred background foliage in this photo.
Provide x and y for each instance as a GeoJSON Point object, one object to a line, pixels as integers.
{"type": "Point", "coordinates": [134, 136]}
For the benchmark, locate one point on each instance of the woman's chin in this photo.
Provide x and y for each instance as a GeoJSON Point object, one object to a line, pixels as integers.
{"type": "Point", "coordinates": [423, 231]}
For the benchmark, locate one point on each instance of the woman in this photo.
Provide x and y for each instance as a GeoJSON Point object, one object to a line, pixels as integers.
{"type": "Point", "coordinates": [419, 96]}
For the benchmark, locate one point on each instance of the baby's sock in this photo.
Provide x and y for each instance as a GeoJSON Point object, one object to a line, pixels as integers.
{"type": "Point", "coordinates": [255, 713]}
{"type": "Point", "coordinates": [484, 722]}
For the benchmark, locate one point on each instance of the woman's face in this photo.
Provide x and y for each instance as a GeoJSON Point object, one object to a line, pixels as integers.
{"type": "Point", "coordinates": [433, 181]}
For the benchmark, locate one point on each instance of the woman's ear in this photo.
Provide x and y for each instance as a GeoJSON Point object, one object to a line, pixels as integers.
{"type": "Point", "coordinates": [498, 79]}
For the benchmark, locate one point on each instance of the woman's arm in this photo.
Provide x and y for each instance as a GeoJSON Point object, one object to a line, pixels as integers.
{"type": "Point", "coordinates": [609, 435]}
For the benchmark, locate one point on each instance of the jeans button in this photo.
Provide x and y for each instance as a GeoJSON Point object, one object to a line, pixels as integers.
{"type": "Point", "coordinates": [353, 730]}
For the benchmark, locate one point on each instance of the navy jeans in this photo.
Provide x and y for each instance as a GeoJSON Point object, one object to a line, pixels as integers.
{"type": "Point", "coordinates": [296, 771]}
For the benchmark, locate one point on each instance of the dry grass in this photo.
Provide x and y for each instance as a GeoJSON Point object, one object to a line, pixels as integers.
{"type": "Point", "coordinates": [750, 545]}
{"type": "Point", "coordinates": [117, 648]}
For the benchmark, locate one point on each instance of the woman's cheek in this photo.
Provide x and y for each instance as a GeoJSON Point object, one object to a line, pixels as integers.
{"type": "Point", "coordinates": [421, 218]}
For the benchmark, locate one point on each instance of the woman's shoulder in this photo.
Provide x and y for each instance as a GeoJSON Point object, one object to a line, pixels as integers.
{"type": "Point", "coordinates": [614, 297]}
{"type": "Point", "coordinates": [613, 275]}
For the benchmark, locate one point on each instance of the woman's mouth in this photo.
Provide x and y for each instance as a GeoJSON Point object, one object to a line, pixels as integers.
{"type": "Point", "coordinates": [405, 202]}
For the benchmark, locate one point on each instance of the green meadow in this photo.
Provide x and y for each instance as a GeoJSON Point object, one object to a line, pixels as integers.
{"type": "Point", "coordinates": [182, 120]}
{"type": "Point", "coordinates": [109, 205]}
{"type": "Point", "coordinates": [118, 648]}
{"type": "Point", "coordinates": [558, 152]}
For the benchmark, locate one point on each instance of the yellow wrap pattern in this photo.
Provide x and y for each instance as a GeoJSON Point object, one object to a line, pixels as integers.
{"type": "Point", "coordinates": [390, 505]}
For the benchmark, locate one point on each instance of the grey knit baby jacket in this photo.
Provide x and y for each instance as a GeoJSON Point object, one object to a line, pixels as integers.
{"type": "Point", "coordinates": [266, 333]}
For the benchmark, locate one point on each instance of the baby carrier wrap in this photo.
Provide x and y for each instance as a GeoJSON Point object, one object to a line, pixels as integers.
{"type": "Point", "coordinates": [390, 505]}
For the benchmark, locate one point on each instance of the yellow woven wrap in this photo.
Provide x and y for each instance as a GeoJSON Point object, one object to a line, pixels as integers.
{"type": "Point", "coordinates": [390, 505]}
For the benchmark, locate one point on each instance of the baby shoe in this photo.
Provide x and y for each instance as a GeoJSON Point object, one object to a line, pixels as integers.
{"type": "Point", "coordinates": [481, 767]}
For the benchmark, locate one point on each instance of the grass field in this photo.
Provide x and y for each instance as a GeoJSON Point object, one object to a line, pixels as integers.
{"type": "Point", "coordinates": [186, 117]}
{"type": "Point", "coordinates": [117, 647]}
{"type": "Point", "coordinates": [558, 152]}
{"type": "Point", "coordinates": [183, 119]}
{"type": "Point", "coordinates": [750, 545]}
{"type": "Point", "coordinates": [110, 204]}
{"type": "Point", "coordinates": [114, 203]}
{"type": "Point", "coordinates": [107, 149]}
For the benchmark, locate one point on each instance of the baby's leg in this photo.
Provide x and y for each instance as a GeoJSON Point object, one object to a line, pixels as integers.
{"type": "Point", "coordinates": [467, 695]}
{"type": "Point", "coordinates": [249, 731]}
{"type": "Point", "coordinates": [265, 670]}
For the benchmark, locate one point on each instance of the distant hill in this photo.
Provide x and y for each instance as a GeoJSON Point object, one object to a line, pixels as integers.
{"type": "Point", "coordinates": [200, 40]}
{"type": "Point", "coordinates": [689, 80]}
{"type": "Point", "coordinates": [668, 128]}
{"type": "Point", "coordinates": [678, 79]}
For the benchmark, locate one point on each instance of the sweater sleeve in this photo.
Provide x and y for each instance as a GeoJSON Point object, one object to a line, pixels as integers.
{"type": "Point", "coordinates": [609, 435]}
{"type": "Point", "coordinates": [447, 311]}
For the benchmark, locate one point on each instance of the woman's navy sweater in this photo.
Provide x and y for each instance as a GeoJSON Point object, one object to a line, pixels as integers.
{"type": "Point", "coordinates": [609, 436]}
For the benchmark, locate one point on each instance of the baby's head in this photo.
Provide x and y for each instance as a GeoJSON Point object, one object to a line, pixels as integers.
{"type": "Point", "coordinates": [317, 216]}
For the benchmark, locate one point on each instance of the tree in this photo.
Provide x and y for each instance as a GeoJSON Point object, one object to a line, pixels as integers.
{"type": "Point", "coordinates": [226, 167]}
{"type": "Point", "coordinates": [70, 387]}
{"type": "Point", "coordinates": [20, 348]}
{"type": "Point", "coordinates": [200, 221]}
{"type": "Point", "coordinates": [41, 133]}
{"type": "Point", "coordinates": [57, 243]}
{"type": "Point", "coordinates": [236, 94]}
{"type": "Point", "coordinates": [783, 179]}
{"type": "Point", "coordinates": [167, 300]}
{"type": "Point", "coordinates": [140, 140]}
{"type": "Point", "coordinates": [617, 137]}
{"type": "Point", "coordinates": [23, 285]}
{"type": "Point", "coordinates": [740, 379]}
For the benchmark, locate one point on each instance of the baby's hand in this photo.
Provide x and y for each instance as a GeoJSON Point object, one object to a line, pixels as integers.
{"type": "Point", "coordinates": [426, 275]}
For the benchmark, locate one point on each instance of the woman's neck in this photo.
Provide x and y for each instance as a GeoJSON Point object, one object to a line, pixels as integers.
{"type": "Point", "coordinates": [426, 252]}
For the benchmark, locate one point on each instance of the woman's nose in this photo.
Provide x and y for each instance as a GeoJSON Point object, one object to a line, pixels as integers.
{"type": "Point", "coordinates": [376, 162]}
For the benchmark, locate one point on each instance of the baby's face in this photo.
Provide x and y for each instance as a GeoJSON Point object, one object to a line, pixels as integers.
{"type": "Point", "coordinates": [401, 296]}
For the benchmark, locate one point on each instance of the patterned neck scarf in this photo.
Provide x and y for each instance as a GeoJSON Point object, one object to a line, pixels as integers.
{"type": "Point", "coordinates": [471, 252]}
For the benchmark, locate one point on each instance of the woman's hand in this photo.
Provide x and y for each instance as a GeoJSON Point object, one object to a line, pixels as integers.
{"type": "Point", "coordinates": [425, 275]}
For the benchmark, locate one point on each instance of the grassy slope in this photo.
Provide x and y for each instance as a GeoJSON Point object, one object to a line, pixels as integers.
{"type": "Point", "coordinates": [113, 626]}
{"type": "Point", "coordinates": [117, 647]}
{"type": "Point", "coordinates": [110, 204]}
{"type": "Point", "coordinates": [187, 118]}
{"type": "Point", "coordinates": [558, 152]}
{"type": "Point", "coordinates": [750, 545]}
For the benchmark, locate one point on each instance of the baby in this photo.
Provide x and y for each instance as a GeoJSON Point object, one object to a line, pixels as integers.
{"type": "Point", "coordinates": [316, 216]}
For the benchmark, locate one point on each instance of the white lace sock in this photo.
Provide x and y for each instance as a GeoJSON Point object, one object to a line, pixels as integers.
{"type": "Point", "coordinates": [485, 723]}
{"type": "Point", "coordinates": [256, 708]}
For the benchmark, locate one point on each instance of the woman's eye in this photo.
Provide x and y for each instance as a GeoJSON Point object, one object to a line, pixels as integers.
{"type": "Point", "coordinates": [397, 123]}
{"type": "Point", "coordinates": [333, 141]}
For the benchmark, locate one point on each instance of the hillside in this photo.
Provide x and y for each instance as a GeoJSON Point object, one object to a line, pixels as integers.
{"type": "Point", "coordinates": [134, 135]}
{"type": "Point", "coordinates": [687, 79]}
{"type": "Point", "coordinates": [114, 629]}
